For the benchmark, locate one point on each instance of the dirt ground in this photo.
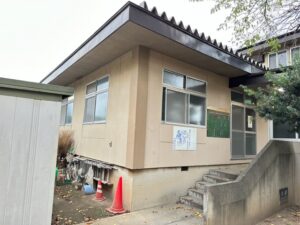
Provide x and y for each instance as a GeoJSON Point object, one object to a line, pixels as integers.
{"type": "Point", "coordinates": [71, 206]}
{"type": "Point", "coordinates": [288, 216]}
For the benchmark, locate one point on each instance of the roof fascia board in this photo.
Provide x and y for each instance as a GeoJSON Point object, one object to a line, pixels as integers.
{"type": "Point", "coordinates": [167, 29]}
{"type": "Point", "coordinates": [140, 16]}
{"type": "Point", "coordinates": [112, 25]}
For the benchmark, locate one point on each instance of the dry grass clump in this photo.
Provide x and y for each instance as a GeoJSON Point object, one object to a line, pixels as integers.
{"type": "Point", "coordinates": [65, 144]}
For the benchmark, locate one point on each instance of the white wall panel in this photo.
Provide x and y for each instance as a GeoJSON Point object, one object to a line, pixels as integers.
{"type": "Point", "coordinates": [28, 148]}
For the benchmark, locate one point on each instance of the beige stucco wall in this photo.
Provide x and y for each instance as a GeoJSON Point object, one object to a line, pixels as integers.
{"type": "Point", "coordinates": [153, 187]}
{"type": "Point", "coordinates": [262, 133]}
{"type": "Point", "coordinates": [141, 144]}
{"type": "Point", "coordinates": [93, 140]}
{"type": "Point", "coordinates": [210, 151]}
{"type": "Point", "coordinates": [138, 137]}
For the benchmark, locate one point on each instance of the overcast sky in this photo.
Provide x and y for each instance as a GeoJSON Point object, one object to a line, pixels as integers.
{"type": "Point", "coordinates": [36, 35]}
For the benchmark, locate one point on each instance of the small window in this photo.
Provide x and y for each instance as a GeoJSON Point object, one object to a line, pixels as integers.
{"type": "Point", "coordinates": [102, 84]}
{"type": "Point", "coordinates": [195, 85]}
{"type": "Point", "coordinates": [187, 106]}
{"type": "Point", "coordinates": [174, 79]}
{"type": "Point", "coordinates": [249, 100]}
{"type": "Point", "coordinates": [272, 61]}
{"type": "Point", "coordinates": [237, 97]}
{"type": "Point", "coordinates": [96, 101]}
{"type": "Point", "coordinates": [91, 88]}
{"type": "Point", "coordinates": [242, 98]}
{"type": "Point", "coordinates": [66, 111]}
{"type": "Point", "coordinates": [282, 59]}
{"type": "Point", "coordinates": [295, 52]}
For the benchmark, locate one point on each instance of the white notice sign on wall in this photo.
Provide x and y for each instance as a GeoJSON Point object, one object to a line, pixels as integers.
{"type": "Point", "coordinates": [184, 138]}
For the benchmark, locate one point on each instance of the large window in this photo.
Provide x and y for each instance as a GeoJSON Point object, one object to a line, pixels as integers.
{"type": "Point", "coordinates": [277, 60]}
{"type": "Point", "coordinates": [66, 111]}
{"type": "Point", "coordinates": [184, 99]}
{"type": "Point", "coordinates": [96, 101]}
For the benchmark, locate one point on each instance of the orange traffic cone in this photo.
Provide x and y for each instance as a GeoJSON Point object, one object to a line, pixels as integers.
{"type": "Point", "coordinates": [117, 206]}
{"type": "Point", "coordinates": [99, 193]}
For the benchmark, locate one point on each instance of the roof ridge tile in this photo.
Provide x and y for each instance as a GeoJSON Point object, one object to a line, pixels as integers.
{"type": "Point", "coordinates": [189, 29]}
{"type": "Point", "coordinates": [196, 32]}
{"type": "Point", "coordinates": [181, 25]}
{"type": "Point", "coordinates": [173, 21]}
{"type": "Point", "coordinates": [164, 16]}
{"type": "Point", "coordinates": [208, 39]}
{"type": "Point", "coordinates": [215, 42]}
{"type": "Point", "coordinates": [154, 11]}
{"type": "Point", "coordinates": [144, 5]}
{"type": "Point", "coordinates": [202, 36]}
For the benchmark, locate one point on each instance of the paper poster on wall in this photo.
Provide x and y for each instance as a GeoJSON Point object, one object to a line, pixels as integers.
{"type": "Point", "coordinates": [250, 121]}
{"type": "Point", "coordinates": [184, 138]}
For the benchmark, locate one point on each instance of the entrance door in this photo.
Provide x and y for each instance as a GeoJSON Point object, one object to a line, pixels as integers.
{"type": "Point", "coordinates": [243, 132]}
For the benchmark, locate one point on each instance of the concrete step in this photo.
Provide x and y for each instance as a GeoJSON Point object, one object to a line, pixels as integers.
{"type": "Point", "coordinates": [214, 179]}
{"type": "Point", "coordinates": [196, 194]}
{"type": "Point", "coordinates": [224, 174]}
{"type": "Point", "coordinates": [201, 185]}
{"type": "Point", "coordinates": [188, 200]}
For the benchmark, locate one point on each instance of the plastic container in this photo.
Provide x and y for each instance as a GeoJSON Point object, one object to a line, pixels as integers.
{"type": "Point", "coordinates": [88, 189]}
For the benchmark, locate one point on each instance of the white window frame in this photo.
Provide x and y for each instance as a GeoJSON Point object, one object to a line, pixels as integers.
{"type": "Point", "coordinates": [291, 53]}
{"type": "Point", "coordinates": [66, 102]}
{"type": "Point", "coordinates": [188, 93]}
{"type": "Point", "coordinates": [297, 136]}
{"type": "Point", "coordinates": [276, 54]}
{"type": "Point", "coordinates": [244, 106]}
{"type": "Point", "coordinates": [94, 94]}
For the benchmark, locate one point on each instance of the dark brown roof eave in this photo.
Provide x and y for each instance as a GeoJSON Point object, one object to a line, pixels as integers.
{"type": "Point", "coordinates": [238, 60]}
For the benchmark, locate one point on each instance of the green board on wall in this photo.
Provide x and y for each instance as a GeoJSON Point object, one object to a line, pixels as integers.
{"type": "Point", "coordinates": [218, 124]}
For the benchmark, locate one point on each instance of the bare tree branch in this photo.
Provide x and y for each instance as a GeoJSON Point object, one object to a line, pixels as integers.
{"type": "Point", "coordinates": [255, 20]}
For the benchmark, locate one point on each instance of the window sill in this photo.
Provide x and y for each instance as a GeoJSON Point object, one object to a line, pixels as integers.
{"type": "Point", "coordinates": [243, 158]}
{"type": "Point", "coordinates": [95, 122]}
{"type": "Point", "coordinates": [183, 125]}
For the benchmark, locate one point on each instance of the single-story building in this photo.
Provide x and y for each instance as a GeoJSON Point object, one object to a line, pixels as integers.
{"type": "Point", "coordinates": [159, 104]}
